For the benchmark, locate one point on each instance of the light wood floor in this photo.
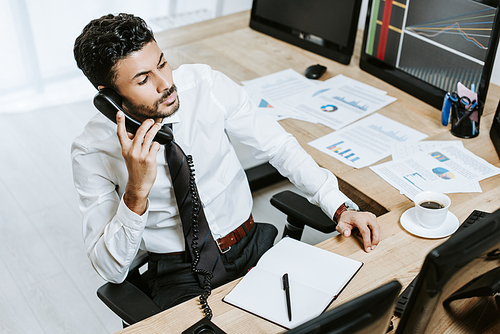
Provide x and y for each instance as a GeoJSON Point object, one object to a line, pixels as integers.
{"type": "Point", "coordinates": [47, 284]}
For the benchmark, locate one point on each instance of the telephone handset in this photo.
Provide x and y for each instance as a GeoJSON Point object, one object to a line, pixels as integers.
{"type": "Point", "coordinates": [108, 102]}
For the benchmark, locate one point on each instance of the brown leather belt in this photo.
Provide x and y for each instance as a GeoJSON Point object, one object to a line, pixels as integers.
{"type": "Point", "coordinates": [235, 236]}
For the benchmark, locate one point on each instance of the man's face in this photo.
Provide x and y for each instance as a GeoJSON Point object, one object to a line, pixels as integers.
{"type": "Point", "coordinates": [144, 80]}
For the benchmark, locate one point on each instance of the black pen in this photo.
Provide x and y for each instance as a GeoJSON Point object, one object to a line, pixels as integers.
{"type": "Point", "coordinates": [286, 287]}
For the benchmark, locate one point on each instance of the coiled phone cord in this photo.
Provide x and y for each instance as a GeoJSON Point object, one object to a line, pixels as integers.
{"type": "Point", "coordinates": [207, 275]}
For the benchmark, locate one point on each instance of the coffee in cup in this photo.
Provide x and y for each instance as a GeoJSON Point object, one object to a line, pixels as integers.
{"type": "Point", "coordinates": [431, 205]}
{"type": "Point", "coordinates": [431, 208]}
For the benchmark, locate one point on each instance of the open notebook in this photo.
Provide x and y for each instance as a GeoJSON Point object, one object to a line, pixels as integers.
{"type": "Point", "coordinates": [316, 278]}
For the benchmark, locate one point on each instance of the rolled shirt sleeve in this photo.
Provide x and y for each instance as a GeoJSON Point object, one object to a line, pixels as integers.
{"type": "Point", "coordinates": [111, 231]}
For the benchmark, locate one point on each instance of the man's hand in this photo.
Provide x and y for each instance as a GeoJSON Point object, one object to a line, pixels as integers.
{"type": "Point", "coordinates": [139, 152]}
{"type": "Point", "coordinates": [365, 222]}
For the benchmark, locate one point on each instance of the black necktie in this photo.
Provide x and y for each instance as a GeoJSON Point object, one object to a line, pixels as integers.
{"type": "Point", "coordinates": [204, 251]}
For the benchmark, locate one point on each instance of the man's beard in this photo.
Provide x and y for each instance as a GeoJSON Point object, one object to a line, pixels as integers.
{"type": "Point", "coordinates": [145, 112]}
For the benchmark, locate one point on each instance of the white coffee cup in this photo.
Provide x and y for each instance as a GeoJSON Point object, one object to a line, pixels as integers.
{"type": "Point", "coordinates": [431, 208]}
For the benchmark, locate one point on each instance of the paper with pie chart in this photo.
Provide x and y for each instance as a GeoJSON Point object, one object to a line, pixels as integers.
{"type": "Point", "coordinates": [446, 170]}
{"type": "Point", "coordinates": [335, 102]}
{"type": "Point", "coordinates": [340, 101]}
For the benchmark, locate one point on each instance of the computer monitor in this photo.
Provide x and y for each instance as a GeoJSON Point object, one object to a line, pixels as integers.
{"type": "Point", "coordinates": [495, 130]}
{"type": "Point", "coordinates": [325, 27]}
{"type": "Point", "coordinates": [426, 47]}
{"type": "Point", "coordinates": [368, 314]}
{"type": "Point", "coordinates": [466, 265]}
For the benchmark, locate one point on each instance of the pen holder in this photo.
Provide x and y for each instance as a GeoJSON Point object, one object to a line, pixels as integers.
{"type": "Point", "coordinates": [465, 121]}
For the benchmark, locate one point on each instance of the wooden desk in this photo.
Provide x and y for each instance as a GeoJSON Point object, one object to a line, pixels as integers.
{"type": "Point", "coordinates": [230, 46]}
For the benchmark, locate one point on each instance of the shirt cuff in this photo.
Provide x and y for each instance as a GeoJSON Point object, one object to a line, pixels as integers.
{"type": "Point", "coordinates": [352, 205]}
{"type": "Point", "coordinates": [348, 205]}
{"type": "Point", "coordinates": [131, 219]}
{"type": "Point", "coordinates": [332, 201]}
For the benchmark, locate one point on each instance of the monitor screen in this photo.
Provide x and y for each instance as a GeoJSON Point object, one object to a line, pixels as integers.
{"type": "Point", "coordinates": [455, 287]}
{"type": "Point", "coordinates": [368, 314]}
{"type": "Point", "coordinates": [325, 27]}
{"type": "Point", "coordinates": [426, 47]}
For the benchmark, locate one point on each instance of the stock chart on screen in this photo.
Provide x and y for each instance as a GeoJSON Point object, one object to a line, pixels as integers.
{"type": "Point", "coordinates": [440, 42]}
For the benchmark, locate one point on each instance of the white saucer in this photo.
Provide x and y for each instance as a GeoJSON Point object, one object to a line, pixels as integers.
{"type": "Point", "coordinates": [410, 223]}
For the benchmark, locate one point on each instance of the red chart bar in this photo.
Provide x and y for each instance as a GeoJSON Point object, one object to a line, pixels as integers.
{"type": "Point", "coordinates": [384, 30]}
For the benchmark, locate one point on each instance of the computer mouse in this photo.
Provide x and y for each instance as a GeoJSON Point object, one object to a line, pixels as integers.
{"type": "Point", "coordinates": [315, 71]}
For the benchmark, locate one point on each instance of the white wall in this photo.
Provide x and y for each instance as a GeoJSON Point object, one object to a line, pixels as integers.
{"type": "Point", "coordinates": [37, 40]}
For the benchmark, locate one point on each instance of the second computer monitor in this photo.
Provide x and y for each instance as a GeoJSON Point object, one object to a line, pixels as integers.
{"type": "Point", "coordinates": [368, 314]}
{"type": "Point", "coordinates": [325, 27]}
{"type": "Point", "coordinates": [455, 285]}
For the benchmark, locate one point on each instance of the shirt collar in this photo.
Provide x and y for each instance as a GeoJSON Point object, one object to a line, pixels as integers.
{"type": "Point", "coordinates": [172, 119]}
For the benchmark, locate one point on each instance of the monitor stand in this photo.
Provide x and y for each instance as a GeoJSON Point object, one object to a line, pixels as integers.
{"type": "Point", "coordinates": [486, 285]}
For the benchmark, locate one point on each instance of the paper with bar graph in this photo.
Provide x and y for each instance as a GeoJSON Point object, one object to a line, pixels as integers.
{"type": "Point", "coordinates": [366, 141]}
{"type": "Point", "coordinates": [339, 101]}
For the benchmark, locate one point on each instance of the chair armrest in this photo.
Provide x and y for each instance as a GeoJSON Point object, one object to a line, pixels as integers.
{"type": "Point", "coordinates": [301, 212]}
{"type": "Point", "coordinates": [262, 176]}
{"type": "Point", "coordinates": [127, 301]}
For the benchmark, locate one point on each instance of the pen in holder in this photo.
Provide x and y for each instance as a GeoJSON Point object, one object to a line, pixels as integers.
{"type": "Point", "coordinates": [463, 114]}
{"type": "Point", "coordinates": [465, 119]}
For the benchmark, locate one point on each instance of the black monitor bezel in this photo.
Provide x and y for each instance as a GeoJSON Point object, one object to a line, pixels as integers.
{"type": "Point", "coordinates": [495, 130]}
{"type": "Point", "coordinates": [442, 263]}
{"type": "Point", "coordinates": [419, 88]}
{"type": "Point", "coordinates": [374, 307]}
{"type": "Point", "coordinates": [334, 51]}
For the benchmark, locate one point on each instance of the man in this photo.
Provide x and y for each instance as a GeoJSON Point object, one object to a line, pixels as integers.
{"type": "Point", "coordinates": [124, 184]}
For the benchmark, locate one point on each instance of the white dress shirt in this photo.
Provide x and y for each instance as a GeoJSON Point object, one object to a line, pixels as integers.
{"type": "Point", "coordinates": [211, 106]}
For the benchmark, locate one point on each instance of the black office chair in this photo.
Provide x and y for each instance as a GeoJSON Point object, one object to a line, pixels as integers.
{"type": "Point", "coordinates": [131, 300]}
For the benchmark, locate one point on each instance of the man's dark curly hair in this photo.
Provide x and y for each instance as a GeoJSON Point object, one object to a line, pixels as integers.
{"type": "Point", "coordinates": [104, 41]}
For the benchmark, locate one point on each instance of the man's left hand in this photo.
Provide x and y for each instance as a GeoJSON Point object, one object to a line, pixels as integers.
{"type": "Point", "coordinates": [365, 222]}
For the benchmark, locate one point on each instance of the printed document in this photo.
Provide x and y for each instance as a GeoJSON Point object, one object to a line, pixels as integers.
{"type": "Point", "coordinates": [268, 108]}
{"type": "Point", "coordinates": [405, 150]}
{"type": "Point", "coordinates": [316, 278]}
{"type": "Point", "coordinates": [366, 141]}
{"type": "Point", "coordinates": [446, 169]}
{"type": "Point", "coordinates": [335, 102]}
{"type": "Point", "coordinates": [274, 91]}
{"type": "Point", "coordinates": [340, 101]}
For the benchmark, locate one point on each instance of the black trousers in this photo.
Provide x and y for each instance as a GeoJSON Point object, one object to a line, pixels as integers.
{"type": "Point", "coordinates": [173, 281]}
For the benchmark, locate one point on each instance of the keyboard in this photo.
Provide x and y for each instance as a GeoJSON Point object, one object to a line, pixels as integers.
{"type": "Point", "coordinates": [475, 216]}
